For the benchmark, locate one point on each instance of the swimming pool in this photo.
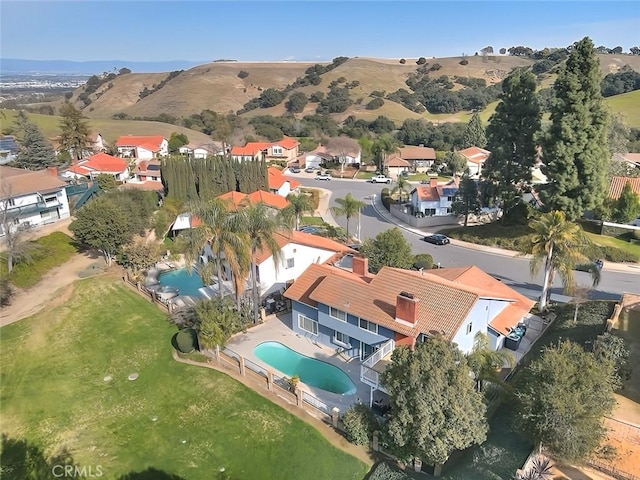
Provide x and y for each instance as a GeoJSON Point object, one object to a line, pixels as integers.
{"type": "Point", "coordinates": [311, 371]}
{"type": "Point", "coordinates": [187, 284]}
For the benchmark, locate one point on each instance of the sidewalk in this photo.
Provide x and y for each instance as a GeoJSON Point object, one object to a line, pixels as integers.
{"type": "Point", "coordinates": [382, 212]}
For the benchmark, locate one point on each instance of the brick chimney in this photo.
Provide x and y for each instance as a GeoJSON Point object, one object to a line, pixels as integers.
{"type": "Point", "coordinates": [53, 170]}
{"type": "Point", "coordinates": [433, 182]}
{"type": "Point", "coordinates": [406, 308]}
{"type": "Point", "coordinates": [360, 266]}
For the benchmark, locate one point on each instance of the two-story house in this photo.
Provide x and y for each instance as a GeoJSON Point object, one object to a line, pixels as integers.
{"type": "Point", "coordinates": [475, 158]}
{"type": "Point", "coordinates": [286, 149]}
{"type": "Point", "coordinates": [281, 185]}
{"type": "Point", "coordinates": [142, 147]}
{"type": "Point", "coordinates": [99, 164]}
{"type": "Point", "coordinates": [146, 175]}
{"type": "Point", "coordinates": [433, 199]}
{"type": "Point", "coordinates": [366, 316]}
{"type": "Point", "coordinates": [420, 158]}
{"type": "Point", "coordinates": [31, 198]}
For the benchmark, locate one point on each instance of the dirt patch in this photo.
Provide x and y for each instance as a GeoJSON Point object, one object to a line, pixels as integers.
{"type": "Point", "coordinates": [54, 289]}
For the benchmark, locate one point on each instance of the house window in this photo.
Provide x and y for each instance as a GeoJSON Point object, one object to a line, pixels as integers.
{"type": "Point", "coordinates": [449, 199]}
{"type": "Point", "coordinates": [421, 338]}
{"type": "Point", "coordinates": [12, 202]}
{"type": "Point", "coordinates": [429, 212]}
{"type": "Point", "coordinates": [338, 314]}
{"type": "Point", "coordinates": [448, 210]}
{"type": "Point", "coordinates": [290, 262]}
{"type": "Point", "coordinates": [50, 199]}
{"type": "Point", "coordinates": [276, 150]}
{"type": "Point", "coordinates": [307, 324]}
{"type": "Point", "coordinates": [342, 338]}
{"type": "Point", "coordinates": [367, 325]}
{"type": "Point", "coordinates": [469, 328]}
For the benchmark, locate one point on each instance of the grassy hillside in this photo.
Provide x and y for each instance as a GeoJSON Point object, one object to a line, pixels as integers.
{"type": "Point", "coordinates": [110, 129]}
{"type": "Point", "coordinates": [216, 86]}
{"type": "Point", "coordinates": [628, 104]}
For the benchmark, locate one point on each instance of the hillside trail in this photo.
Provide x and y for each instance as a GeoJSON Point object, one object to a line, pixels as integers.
{"type": "Point", "coordinates": [53, 289]}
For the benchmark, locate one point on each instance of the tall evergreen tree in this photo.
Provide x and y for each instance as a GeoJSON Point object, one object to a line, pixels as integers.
{"type": "Point", "coordinates": [511, 140]}
{"type": "Point", "coordinates": [466, 199]}
{"type": "Point", "coordinates": [575, 148]}
{"type": "Point", "coordinates": [75, 136]}
{"type": "Point", "coordinates": [36, 152]}
{"type": "Point", "coordinates": [474, 134]}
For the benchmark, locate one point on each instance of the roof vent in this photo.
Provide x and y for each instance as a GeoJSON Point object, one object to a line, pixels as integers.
{"type": "Point", "coordinates": [406, 295]}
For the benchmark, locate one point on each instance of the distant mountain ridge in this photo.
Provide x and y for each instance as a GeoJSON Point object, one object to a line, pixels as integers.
{"type": "Point", "coordinates": [19, 65]}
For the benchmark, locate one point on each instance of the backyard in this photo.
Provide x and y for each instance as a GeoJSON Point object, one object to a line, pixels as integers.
{"type": "Point", "coordinates": [65, 386]}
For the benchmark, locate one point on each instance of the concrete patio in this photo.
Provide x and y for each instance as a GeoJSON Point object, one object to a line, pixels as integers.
{"type": "Point", "coordinates": [278, 329]}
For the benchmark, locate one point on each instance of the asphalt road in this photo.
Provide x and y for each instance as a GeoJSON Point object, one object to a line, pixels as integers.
{"type": "Point", "coordinates": [512, 271]}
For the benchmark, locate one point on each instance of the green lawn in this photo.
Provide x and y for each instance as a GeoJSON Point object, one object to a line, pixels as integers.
{"type": "Point", "coordinates": [53, 395]}
{"type": "Point", "coordinates": [365, 175]}
{"type": "Point", "coordinates": [46, 253]}
{"type": "Point", "coordinates": [605, 241]}
{"type": "Point", "coordinates": [311, 221]}
{"type": "Point", "coordinates": [416, 177]}
{"type": "Point", "coordinates": [628, 104]}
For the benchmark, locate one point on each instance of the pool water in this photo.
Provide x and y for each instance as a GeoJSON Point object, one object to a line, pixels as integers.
{"type": "Point", "coordinates": [187, 284]}
{"type": "Point", "coordinates": [311, 371]}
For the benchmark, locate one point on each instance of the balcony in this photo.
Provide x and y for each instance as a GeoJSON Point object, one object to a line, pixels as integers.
{"type": "Point", "coordinates": [32, 209]}
{"type": "Point", "coordinates": [375, 364]}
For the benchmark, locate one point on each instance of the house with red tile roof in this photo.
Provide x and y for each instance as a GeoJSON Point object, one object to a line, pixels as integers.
{"type": "Point", "coordinates": [366, 316]}
{"type": "Point", "coordinates": [395, 165]}
{"type": "Point", "coordinates": [433, 199]}
{"type": "Point", "coordinates": [475, 158]}
{"type": "Point", "coordinates": [239, 200]}
{"type": "Point", "coordinates": [142, 147]}
{"type": "Point", "coordinates": [286, 149]}
{"type": "Point", "coordinates": [99, 164]}
{"type": "Point", "coordinates": [146, 176]}
{"type": "Point", "coordinates": [32, 197]}
{"type": "Point", "coordinates": [281, 185]}
{"type": "Point", "coordinates": [618, 183]}
{"type": "Point", "coordinates": [336, 149]}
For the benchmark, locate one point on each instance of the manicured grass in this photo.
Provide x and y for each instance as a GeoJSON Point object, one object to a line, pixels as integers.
{"type": "Point", "coordinates": [54, 396]}
{"type": "Point", "coordinates": [416, 177]}
{"type": "Point", "coordinates": [605, 241]}
{"type": "Point", "coordinates": [628, 104]}
{"type": "Point", "coordinates": [48, 252]}
{"type": "Point", "coordinates": [311, 221]}
{"type": "Point", "coordinates": [365, 175]}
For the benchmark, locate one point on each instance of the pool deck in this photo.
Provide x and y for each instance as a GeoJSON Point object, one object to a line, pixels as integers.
{"type": "Point", "coordinates": [278, 329]}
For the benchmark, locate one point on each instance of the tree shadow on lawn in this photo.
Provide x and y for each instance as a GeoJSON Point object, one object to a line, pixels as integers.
{"type": "Point", "coordinates": [20, 460]}
{"type": "Point", "coordinates": [151, 474]}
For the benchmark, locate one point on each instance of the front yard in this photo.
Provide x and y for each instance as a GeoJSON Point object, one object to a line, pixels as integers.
{"type": "Point", "coordinates": [65, 385]}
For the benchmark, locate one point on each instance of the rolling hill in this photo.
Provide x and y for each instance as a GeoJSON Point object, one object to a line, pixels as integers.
{"type": "Point", "coordinates": [110, 129]}
{"type": "Point", "coordinates": [217, 86]}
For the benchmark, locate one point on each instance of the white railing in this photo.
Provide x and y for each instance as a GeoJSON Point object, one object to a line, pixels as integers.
{"type": "Point", "coordinates": [379, 354]}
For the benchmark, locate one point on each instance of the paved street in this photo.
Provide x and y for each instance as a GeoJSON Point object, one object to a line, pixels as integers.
{"type": "Point", "coordinates": [512, 271]}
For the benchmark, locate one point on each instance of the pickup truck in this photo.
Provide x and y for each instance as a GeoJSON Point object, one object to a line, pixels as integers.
{"type": "Point", "coordinates": [380, 179]}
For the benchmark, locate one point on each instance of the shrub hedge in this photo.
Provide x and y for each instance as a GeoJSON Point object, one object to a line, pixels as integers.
{"type": "Point", "coordinates": [360, 422]}
{"type": "Point", "coordinates": [185, 340]}
{"type": "Point", "coordinates": [382, 471]}
{"type": "Point", "coordinates": [422, 260]}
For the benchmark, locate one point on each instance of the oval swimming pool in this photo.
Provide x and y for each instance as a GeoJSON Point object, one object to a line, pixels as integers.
{"type": "Point", "coordinates": [311, 371]}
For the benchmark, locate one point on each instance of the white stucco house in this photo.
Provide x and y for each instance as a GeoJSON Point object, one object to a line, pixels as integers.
{"type": "Point", "coordinates": [475, 158]}
{"type": "Point", "coordinates": [142, 147]}
{"type": "Point", "coordinates": [299, 250]}
{"type": "Point", "coordinates": [32, 198]}
{"type": "Point", "coordinates": [99, 164]}
{"type": "Point", "coordinates": [433, 199]}
{"type": "Point", "coordinates": [202, 150]}
{"type": "Point", "coordinates": [281, 185]}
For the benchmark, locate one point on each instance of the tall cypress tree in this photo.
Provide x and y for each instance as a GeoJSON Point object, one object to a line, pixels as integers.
{"type": "Point", "coordinates": [474, 134]}
{"type": "Point", "coordinates": [75, 132]}
{"type": "Point", "coordinates": [36, 152]}
{"type": "Point", "coordinates": [510, 136]}
{"type": "Point", "coordinates": [575, 149]}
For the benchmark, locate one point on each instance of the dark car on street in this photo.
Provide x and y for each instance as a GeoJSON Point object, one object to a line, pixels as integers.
{"type": "Point", "coordinates": [437, 239]}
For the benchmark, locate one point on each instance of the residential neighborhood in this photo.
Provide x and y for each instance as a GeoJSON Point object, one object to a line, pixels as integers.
{"type": "Point", "coordinates": [317, 284]}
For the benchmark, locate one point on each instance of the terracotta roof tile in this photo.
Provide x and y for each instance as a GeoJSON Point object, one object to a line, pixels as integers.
{"type": "Point", "coordinates": [396, 161]}
{"type": "Point", "coordinates": [427, 193]}
{"type": "Point", "coordinates": [276, 179]}
{"type": "Point", "coordinates": [287, 142]}
{"type": "Point", "coordinates": [306, 283]}
{"type": "Point", "coordinates": [475, 154]}
{"type": "Point", "coordinates": [238, 199]}
{"type": "Point", "coordinates": [618, 183]}
{"type": "Point", "coordinates": [307, 239]}
{"type": "Point", "coordinates": [151, 143]}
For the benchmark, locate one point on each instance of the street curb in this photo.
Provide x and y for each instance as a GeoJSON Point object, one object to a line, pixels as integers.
{"type": "Point", "coordinates": [608, 266]}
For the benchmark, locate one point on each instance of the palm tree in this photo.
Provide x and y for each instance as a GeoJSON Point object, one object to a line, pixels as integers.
{"type": "Point", "coordinates": [348, 207]}
{"type": "Point", "coordinates": [298, 205]}
{"type": "Point", "coordinates": [220, 236]}
{"type": "Point", "coordinates": [541, 468]}
{"type": "Point", "coordinates": [402, 186]}
{"type": "Point", "coordinates": [557, 245]}
{"type": "Point", "coordinates": [259, 227]}
{"type": "Point", "coordinates": [485, 363]}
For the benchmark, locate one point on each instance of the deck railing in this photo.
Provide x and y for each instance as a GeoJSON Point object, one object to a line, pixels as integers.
{"type": "Point", "coordinates": [367, 374]}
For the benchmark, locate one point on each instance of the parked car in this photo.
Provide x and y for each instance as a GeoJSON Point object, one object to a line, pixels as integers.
{"type": "Point", "coordinates": [294, 169]}
{"type": "Point", "coordinates": [323, 176]}
{"type": "Point", "coordinates": [309, 170]}
{"type": "Point", "coordinates": [380, 179]}
{"type": "Point", "coordinates": [437, 239]}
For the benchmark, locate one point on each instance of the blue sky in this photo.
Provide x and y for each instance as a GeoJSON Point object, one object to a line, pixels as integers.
{"type": "Point", "coordinates": [309, 30]}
